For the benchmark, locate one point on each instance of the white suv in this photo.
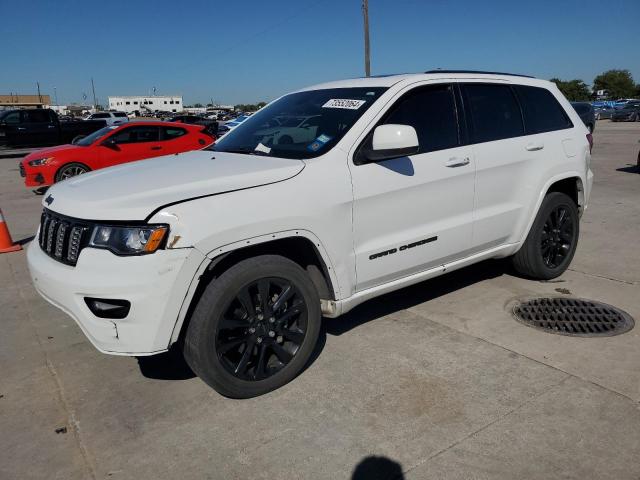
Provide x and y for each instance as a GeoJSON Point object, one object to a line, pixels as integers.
{"type": "Point", "coordinates": [110, 118]}
{"type": "Point", "coordinates": [236, 251]}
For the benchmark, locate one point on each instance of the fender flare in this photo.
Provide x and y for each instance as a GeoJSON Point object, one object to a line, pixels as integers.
{"type": "Point", "coordinates": [545, 189]}
{"type": "Point", "coordinates": [223, 250]}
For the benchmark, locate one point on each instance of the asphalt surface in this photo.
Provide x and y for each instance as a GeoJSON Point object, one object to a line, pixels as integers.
{"type": "Point", "coordinates": [434, 381]}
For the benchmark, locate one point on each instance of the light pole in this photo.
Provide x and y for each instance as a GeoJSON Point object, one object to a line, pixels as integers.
{"type": "Point", "coordinates": [365, 17]}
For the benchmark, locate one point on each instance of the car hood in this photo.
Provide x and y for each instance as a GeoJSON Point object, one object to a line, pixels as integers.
{"type": "Point", "coordinates": [50, 151]}
{"type": "Point", "coordinates": [133, 191]}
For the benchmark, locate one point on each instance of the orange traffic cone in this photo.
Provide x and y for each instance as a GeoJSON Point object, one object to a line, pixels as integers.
{"type": "Point", "coordinates": [6, 244]}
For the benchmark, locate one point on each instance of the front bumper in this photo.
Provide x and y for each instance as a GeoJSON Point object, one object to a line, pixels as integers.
{"type": "Point", "coordinates": [155, 284]}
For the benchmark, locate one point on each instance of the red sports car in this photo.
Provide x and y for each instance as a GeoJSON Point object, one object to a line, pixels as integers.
{"type": "Point", "coordinates": [111, 146]}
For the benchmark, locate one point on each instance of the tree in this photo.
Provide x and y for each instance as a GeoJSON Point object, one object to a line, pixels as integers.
{"type": "Point", "coordinates": [617, 83]}
{"type": "Point", "coordinates": [575, 90]}
{"type": "Point", "coordinates": [197, 105]}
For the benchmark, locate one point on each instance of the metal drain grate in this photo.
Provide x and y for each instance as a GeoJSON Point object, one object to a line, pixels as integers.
{"type": "Point", "coordinates": [573, 316]}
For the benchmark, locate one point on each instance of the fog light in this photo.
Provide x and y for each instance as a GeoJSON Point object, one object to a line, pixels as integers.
{"type": "Point", "coordinates": [108, 307]}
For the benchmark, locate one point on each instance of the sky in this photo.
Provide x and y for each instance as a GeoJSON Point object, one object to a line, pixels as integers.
{"type": "Point", "coordinates": [245, 51]}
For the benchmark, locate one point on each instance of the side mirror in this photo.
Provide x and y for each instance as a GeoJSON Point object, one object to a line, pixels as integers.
{"type": "Point", "coordinates": [392, 141]}
{"type": "Point", "coordinates": [110, 143]}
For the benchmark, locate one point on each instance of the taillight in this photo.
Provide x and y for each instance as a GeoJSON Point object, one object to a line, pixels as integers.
{"type": "Point", "coordinates": [590, 140]}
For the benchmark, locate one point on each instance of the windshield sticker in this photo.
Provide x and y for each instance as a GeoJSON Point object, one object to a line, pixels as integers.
{"type": "Point", "coordinates": [262, 148]}
{"type": "Point", "coordinates": [318, 143]}
{"type": "Point", "coordinates": [344, 103]}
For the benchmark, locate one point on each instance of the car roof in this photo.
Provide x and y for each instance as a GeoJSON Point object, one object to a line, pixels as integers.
{"type": "Point", "coordinates": [157, 123]}
{"type": "Point", "coordinates": [390, 80]}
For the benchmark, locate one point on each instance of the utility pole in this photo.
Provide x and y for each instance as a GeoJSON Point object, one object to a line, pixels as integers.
{"type": "Point", "coordinates": [93, 88]}
{"type": "Point", "coordinates": [39, 96]}
{"type": "Point", "coordinates": [365, 15]}
{"type": "Point", "coordinates": [55, 95]}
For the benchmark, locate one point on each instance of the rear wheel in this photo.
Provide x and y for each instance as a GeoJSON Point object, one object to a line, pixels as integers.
{"type": "Point", "coordinates": [552, 241]}
{"type": "Point", "coordinates": [254, 328]}
{"type": "Point", "coordinates": [71, 170]}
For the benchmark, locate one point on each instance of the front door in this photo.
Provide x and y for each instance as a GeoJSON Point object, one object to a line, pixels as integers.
{"type": "Point", "coordinates": [132, 143]}
{"type": "Point", "coordinates": [414, 213]}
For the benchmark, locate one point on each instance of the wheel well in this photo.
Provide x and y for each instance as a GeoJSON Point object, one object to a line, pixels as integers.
{"type": "Point", "coordinates": [572, 187]}
{"type": "Point", "coordinates": [69, 163]}
{"type": "Point", "coordinates": [298, 249]}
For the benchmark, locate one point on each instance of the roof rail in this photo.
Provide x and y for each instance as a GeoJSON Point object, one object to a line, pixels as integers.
{"type": "Point", "coordinates": [478, 71]}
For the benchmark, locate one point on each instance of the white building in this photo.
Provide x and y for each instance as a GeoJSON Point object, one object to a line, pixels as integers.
{"type": "Point", "coordinates": [148, 103]}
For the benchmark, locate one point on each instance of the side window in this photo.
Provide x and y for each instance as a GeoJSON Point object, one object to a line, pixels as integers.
{"type": "Point", "coordinates": [169, 133]}
{"type": "Point", "coordinates": [12, 118]}
{"type": "Point", "coordinates": [432, 112]}
{"type": "Point", "coordinates": [36, 116]}
{"type": "Point", "coordinates": [495, 113]}
{"type": "Point", "coordinates": [541, 110]}
{"type": "Point", "coordinates": [137, 135]}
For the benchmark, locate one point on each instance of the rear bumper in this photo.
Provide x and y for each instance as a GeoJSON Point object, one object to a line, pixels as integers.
{"type": "Point", "coordinates": [155, 285]}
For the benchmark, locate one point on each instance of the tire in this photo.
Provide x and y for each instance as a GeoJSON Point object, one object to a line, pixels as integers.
{"type": "Point", "coordinates": [590, 127]}
{"type": "Point", "coordinates": [536, 258]}
{"type": "Point", "coordinates": [70, 170]}
{"type": "Point", "coordinates": [236, 349]}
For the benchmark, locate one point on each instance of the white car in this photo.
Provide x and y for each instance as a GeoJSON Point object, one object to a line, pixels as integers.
{"type": "Point", "coordinates": [236, 252]}
{"type": "Point", "coordinates": [111, 118]}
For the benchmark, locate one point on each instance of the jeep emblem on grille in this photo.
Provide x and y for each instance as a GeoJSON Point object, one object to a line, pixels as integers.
{"type": "Point", "coordinates": [49, 200]}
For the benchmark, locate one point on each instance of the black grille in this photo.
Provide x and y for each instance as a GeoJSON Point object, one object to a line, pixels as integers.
{"type": "Point", "coordinates": [62, 238]}
{"type": "Point", "coordinates": [573, 316]}
{"type": "Point", "coordinates": [22, 172]}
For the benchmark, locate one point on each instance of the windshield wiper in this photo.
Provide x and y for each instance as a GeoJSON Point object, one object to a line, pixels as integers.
{"type": "Point", "coordinates": [245, 151]}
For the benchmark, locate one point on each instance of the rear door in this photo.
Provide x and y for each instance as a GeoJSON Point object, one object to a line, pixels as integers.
{"type": "Point", "coordinates": [13, 129]}
{"type": "Point", "coordinates": [414, 213]}
{"type": "Point", "coordinates": [510, 161]}
{"type": "Point", "coordinates": [132, 143]}
{"type": "Point", "coordinates": [40, 127]}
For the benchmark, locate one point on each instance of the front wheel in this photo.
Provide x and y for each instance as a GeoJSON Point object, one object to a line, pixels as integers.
{"type": "Point", "coordinates": [71, 170]}
{"type": "Point", "coordinates": [552, 240]}
{"type": "Point", "coordinates": [254, 328]}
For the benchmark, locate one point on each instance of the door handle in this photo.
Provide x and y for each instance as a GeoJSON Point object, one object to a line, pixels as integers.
{"type": "Point", "coordinates": [533, 147]}
{"type": "Point", "coordinates": [51, 126]}
{"type": "Point", "coordinates": [21, 128]}
{"type": "Point", "coordinates": [457, 162]}
{"type": "Point", "coordinates": [156, 148]}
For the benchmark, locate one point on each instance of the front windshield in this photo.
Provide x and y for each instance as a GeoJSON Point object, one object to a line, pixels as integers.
{"type": "Point", "coordinates": [89, 139]}
{"type": "Point", "coordinates": [300, 125]}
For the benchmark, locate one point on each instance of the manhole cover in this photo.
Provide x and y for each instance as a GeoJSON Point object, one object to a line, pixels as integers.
{"type": "Point", "coordinates": [573, 316]}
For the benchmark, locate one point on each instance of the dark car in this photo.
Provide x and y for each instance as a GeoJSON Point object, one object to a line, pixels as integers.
{"type": "Point", "coordinates": [40, 127]}
{"type": "Point", "coordinates": [587, 115]}
{"type": "Point", "coordinates": [630, 112]}
{"type": "Point", "coordinates": [210, 125]}
{"type": "Point", "coordinates": [603, 112]}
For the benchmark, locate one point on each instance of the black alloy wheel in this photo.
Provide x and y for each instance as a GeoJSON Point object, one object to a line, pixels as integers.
{"type": "Point", "coordinates": [262, 329]}
{"type": "Point", "coordinates": [557, 237]}
{"type": "Point", "coordinates": [255, 327]}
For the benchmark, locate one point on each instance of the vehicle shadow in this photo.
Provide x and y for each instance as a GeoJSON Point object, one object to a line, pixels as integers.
{"type": "Point", "coordinates": [629, 169]}
{"type": "Point", "coordinates": [171, 365]}
{"type": "Point", "coordinates": [416, 294]}
{"type": "Point", "coordinates": [377, 468]}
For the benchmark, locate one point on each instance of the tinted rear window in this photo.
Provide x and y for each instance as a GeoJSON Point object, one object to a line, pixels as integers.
{"type": "Point", "coordinates": [495, 113]}
{"type": "Point", "coordinates": [541, 110]}
{"type": "Point", "coordinates": [119, 114]}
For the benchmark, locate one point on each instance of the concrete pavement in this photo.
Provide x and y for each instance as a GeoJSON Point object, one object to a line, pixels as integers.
{"type": "Point", "coordinates": [434, 381]}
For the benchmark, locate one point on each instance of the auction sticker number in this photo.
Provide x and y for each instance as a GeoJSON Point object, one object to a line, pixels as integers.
{"type": "Point", "coordinates": [344, 103]}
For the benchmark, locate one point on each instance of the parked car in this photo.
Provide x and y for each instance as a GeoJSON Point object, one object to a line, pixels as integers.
{"type": "Point", "coordinates": [112, 118]}
{"type": "Point", "coordinates": [235, 122]}
{"type": "Point", "coordinates": [587, 114]}
{"type": "Point", "coordinates": [41, 127]}
{"type": "Point", "coordinates": [210, 125]}
{"type": "Point", "coordinates": [236, 252]}
{"type": "Point", "coordinates": [630, 112]}
{"type": "Point", "coordinates": [111, 146]}
{"type": "Point", "coordinates": [603, 112]}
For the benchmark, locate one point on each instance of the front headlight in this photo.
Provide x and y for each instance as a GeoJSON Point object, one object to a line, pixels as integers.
{"type": "Point", "coordinates": [40, 161]}
{"type": "Point", "coordinates": [128, 240]}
